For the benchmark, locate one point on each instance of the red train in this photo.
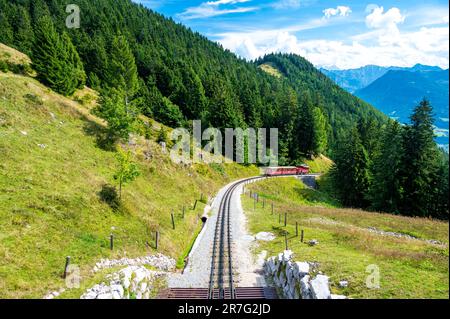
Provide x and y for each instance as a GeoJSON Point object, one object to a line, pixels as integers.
{"type": "Point", "coordinates": [287, 170]}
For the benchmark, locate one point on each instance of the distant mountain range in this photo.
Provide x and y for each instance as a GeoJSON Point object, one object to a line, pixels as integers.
{"type": "Point", "coordinates": [356, 79]}
{"type": "Point", "coordinates": [397, 90]}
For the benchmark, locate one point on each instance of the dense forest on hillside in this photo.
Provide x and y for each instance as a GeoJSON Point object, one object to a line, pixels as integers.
{"type": "Point", "coordinates": [184, 76]}
{"type": "Point", "coordinates": [144, 63]}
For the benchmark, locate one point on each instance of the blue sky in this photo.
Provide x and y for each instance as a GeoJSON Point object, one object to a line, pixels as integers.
{"type": "Point", "coordinates": [342, 34]}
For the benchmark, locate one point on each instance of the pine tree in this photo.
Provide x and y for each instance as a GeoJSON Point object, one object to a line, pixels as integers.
{"type": "Point", "coordinates": [78, 74]}
{"type": "Point", "coordinates": [120, 117]}
{"type": "Point", "coordinates": [350, 174]}
{"type": "Point", "coordinates": [6, 34]}
{"type": "Point", "coordinates": [305, 126]}
{"type": "Point", "coordinates": [419, 161]}
{"type": "Point", "coordinates": [223, 113]}
{"type": "Point", "coordinates": [320, 139]}
{"type": "Point", "coordinates": [385, 192]}
{"type": "Point", "coordinates": [370, 132]}
{"type": "Point", "coordinates": [23, 32]}
{"type": "Point", "coordinates": [122, 68]}
{"type": "Point", "coordinates": [54, 57]}
{"type": "Point", "coordinates": [439, 206]}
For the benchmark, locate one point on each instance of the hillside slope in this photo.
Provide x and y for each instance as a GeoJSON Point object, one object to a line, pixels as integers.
{"type": "Point", "coordinates": [343, 109]}
{"type": "Point", "coordinates": [411, 254]}
{"type": "Point", "coordinates": [52, 173]}
{"type": "Point", "coordinates": [198, 76]}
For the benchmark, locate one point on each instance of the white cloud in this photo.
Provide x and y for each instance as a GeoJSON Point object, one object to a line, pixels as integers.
{"type": "Point", "coordinates": [427, 46]}
{"type": "Point", "coordinates": [377, 19]}
{"type": "Point", "coordinates": [287, 4]}
{"type": "Point", "coordinates": [212, 9]}
{"type": "Point", "coordinates": [342, 11]}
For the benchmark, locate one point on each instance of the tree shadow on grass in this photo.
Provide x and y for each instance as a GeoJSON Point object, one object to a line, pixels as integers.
{"type": "Point", "coordinates": [101, 134]}
{"type": "Point", "coordinates": [109, 195]}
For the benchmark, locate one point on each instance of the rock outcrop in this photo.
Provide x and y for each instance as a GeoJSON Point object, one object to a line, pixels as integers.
{"type": "Point", "coordinates": [133, 282]}
{"type": "Point", "coordinates": [295, 280]}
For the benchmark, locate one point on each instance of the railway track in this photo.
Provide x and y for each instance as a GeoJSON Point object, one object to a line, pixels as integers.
{"type": "Point", "coordinates": [221, 282]}
{"type": "Point", "coordinates": [221, 279]}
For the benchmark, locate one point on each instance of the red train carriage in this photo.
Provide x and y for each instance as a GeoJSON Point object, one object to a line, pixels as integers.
{"type": "Point", "coordinates": [287, 170]}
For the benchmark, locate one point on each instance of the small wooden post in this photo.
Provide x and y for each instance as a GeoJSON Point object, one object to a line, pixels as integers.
{"type": "Point", "coordinates": [111, 241]}
{"type": "Point", "coordinates": [173, 220]}
{"type": "Point", "coordinates": [296, 229]}
{"type": "Point", "coordinates": [201, 197]}
{"type": "Point", "coordinates": [156, 240]}
{"type": "Point", "coordinates": [285, 219]}
{"type": "Point", "coordinates": [279, 218]}
{"type": "Point", "coordinates": [66, 267]}
{"type": "Point", "coordinates": [257, 198]}
{"type": "Point", "coordinates": [302, 235]}
{"type": "Point", "coordinates": [286, 240]}
{"type": "Point", "coordinates": [184, 209]}
{"type": "Point", "coordinates": [264, 202]}
{"type": "Point", "coordinates": [195, 205]}
{"type": "Point", "coordinates": [272, 208]}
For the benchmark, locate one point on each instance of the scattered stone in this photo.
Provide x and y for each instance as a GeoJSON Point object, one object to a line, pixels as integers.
{"type": "Point", "coordinates": [52, 115]}
{"type": "Point", "coordinates": [343, 283]}
{"type": "Point", "coordinates": [43, 146]}
{"type": "Point", "coordinates": [400, 235]}
{"type": "Point", "coordinates": [130, 282]}
{"type": "Point", "coordinates": [265, 236]}
{"type": "Point", "coordinates": [158, 261]}
{"type": "Point", "coordinates": [320, 287]}
{"type": "Point", "coordinates": [313, 242]}
{"type": "Point", "coordinates": [24, 133]}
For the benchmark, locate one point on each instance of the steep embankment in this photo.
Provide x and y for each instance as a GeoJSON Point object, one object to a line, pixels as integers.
{"type": "Point", "coordinates": [53, 186]}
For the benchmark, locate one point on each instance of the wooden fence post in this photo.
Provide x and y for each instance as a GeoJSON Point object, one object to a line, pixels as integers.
{"type": "Point", "coordinates": [111, 241]}
{"type": "Point", "coordinates": [156, 240]}
{"type": "Point", "coordinates": [195, 205]}
{"type": "Point", "coordinates": [184, 208]}
{"type": "Point", "coordinates": [272, 208]}
{"type": "Point", "coordinates": [173, 220]}
{"type": "Point", "coordinates": [285, 219]}
{"type": "Point", "coordinates": [302, 234]}
{"type": "Point", "coordinates": [296, 229]}
{"type": "Point", "coordinates": [66, 267]}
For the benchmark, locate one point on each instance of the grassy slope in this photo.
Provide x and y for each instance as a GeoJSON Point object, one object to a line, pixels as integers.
{"type": "Point", "coordinates": [271, 69]}
{"type": "Point", "coordinates": [49, 201]}
{"type": "Point", "coordinates": [408, 268]}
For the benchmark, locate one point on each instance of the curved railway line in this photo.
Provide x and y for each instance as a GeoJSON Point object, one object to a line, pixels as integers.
{"type": "Point", "coordinates": [221, 278]}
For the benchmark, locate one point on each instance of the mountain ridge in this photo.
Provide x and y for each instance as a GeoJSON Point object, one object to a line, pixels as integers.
{"type": "Point", "coordinates": [358, 78]}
